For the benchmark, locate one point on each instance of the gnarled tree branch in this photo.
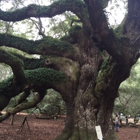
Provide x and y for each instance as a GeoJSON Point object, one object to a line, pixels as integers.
{"type": "Point", "coordinates": [27, 103]}
{"type": "Point", "coordinates": [102, 35]}
{"type": "Point", "coordinates": [56, 8]}
{"type": "Point", "coordinates": [47, 45]}
{"type": "Point", "coordinates": [15, 63]}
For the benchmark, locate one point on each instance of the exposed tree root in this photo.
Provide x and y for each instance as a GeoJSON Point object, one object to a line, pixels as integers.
{"type": "Point", "coordinates": [83, 135]}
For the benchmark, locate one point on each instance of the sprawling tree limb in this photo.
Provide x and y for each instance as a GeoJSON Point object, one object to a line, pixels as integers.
{"type": "Point", "coordinates": [102, 35]}
{"type": "Point", "coordinates": [56, 8]}
{"type": "Point", "coordinates": [33, 63]}
{"type": "Point", "coordinates": [48, 45]}
{"type": "Point", "coordinates": [15, 63]}
{"type": "Point", "coordinates": [27, 103]}
{"type": "Point", "coordinates": [34, 79]}
{"type": "Point", "coordinates": [23, 104]}
{"type": "Point", "coordinates": [30, 62]}
{"type": "Point", "coordinates": [21, 98]}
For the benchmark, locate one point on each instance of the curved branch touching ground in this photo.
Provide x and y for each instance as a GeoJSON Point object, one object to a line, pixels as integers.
{"type": "Point", "coordinates": [21, 98]}
{"type": "Point", "coordinates": [23, 104]}
{"type": "Point", "coordinates": [34, 79]}
{"type": "Point", "coordinates": [56, 8]}
{"type": "Point", "coordinates": [27, 103]}
{"type": "Point", "coordinates": [15, 63]}
{"type": "Point", "coordinates": [41, 77]}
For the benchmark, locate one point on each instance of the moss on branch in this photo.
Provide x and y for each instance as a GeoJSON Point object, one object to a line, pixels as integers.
{"type": "Point", "coordinates": [30, 61]}
{"type": "Point", "coordinates": [47, 45]}
{"type": "Point", "coordinates": [50, 44]}
{"type": "Point", "coordinates": [43, 76]}
{"type": "Point", "coordinates": [58, 7]}
{"type": "Point", "coordinates": [7, 88]}
{"type": "Point", "coordinates": [40, 77]}
{"type": "Point", "coordinates": [26, 104]}
{"type": "Point", "coordinates": [37, 78]}
{"type": "Point", "coordinates": [74, 35]}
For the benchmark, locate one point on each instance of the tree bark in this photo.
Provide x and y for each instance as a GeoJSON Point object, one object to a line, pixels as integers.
{"type": "Point", "coordinates": [85, 115]}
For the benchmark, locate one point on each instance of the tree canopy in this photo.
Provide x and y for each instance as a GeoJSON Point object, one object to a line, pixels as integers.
{"type": "Point", "coordinates": [85, 64]}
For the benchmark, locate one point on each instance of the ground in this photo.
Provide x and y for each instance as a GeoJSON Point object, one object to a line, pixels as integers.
{"type": "Point", "coordinates": [44, 129]}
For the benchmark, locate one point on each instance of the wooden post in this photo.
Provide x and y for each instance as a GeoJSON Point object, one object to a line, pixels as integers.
{"type": "Point", "coordinates": [12, 119]}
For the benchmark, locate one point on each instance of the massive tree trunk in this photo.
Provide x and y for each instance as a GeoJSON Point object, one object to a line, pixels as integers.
{"type": "Point", "coordinates": [86, 67]}
{"type": "Point", "coordinates": [94, 101]}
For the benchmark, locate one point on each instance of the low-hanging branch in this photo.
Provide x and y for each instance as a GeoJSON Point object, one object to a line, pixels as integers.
{"type": "Point", "coordinates": [27, 104]}
{"type": "Point", "coordinates": [34, 79]}
{"type": "Point", "coordinates": [47, 45]}
{"type": "Point", "coordinates": [58, 63]}
{"type": "Point", "coordinates": [23, 104]}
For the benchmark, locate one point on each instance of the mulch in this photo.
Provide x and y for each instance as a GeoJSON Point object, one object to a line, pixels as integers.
{"type": "Point", "coordinates": [45, 129]}
{"type": "Point", "coordinates": [31, 129]}
{"type": "Point", "coordinates": [129, 133]}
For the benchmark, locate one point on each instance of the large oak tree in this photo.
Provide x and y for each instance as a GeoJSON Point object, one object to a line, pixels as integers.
{"type": "Point", "coordinates": [86, 67]}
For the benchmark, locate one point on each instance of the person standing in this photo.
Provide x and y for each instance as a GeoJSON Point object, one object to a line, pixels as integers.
{"type": "Point", "coordinates": [120, 119]}
{"type": "Point", "coordinates": [126, 117]}
{"type": "Point", "coordinates": [117, 123]}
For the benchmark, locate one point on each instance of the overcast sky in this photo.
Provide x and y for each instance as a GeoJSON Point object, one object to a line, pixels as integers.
{"type": "Point", "coordinates": [117, 11]}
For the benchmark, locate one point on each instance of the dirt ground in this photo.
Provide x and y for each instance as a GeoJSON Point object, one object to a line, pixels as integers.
{"type": "Point", "coordinates": [43, 129]}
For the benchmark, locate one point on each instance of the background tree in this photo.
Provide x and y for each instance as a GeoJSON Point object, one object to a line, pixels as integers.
{"type": "Point", "coordinates": [52, 104]}
{"type": "Point", "coordinates": [86, 67]}
{"type": "Point", "coordinates": [128, 100]}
